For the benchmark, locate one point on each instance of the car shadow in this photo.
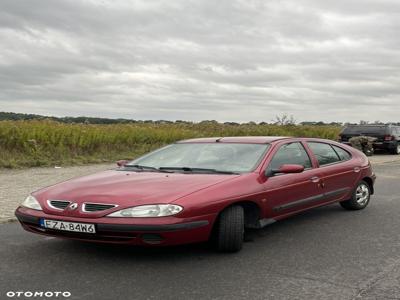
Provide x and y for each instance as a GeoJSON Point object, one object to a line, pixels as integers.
{"type": "Point", "coordinates": [127, 251]}
{"type": "Point", "coordinates": [287, 227]}
{"type": "Point", "coordinates": [316, 216]}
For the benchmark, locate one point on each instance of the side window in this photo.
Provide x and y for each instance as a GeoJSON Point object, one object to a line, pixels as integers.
{"type": "Point", "coordinates": [343, 154]}
{"type": "Point", "coordinates": [293, 153]}
{"type": "Point", "coordinates": [324, 153]}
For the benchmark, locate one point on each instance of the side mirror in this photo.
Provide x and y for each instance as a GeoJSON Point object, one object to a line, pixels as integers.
{"type": "Point", "coordinates": [287, 169]}
{"type": "Point", "coordinates": [122, 163]}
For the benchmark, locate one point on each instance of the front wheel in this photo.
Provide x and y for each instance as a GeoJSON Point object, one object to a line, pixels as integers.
{"type": "Point", "coordinates": [230, 230]}
{"type": "Point", "coordinates": [360, 198]}
{"type": "Point", "coordinates": [369, 152]}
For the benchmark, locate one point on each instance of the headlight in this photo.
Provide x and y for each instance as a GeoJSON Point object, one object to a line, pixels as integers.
{"type": "Point", "coordinates": [31, 202]}
{"type": "Point", "coordinates": [146, 211]}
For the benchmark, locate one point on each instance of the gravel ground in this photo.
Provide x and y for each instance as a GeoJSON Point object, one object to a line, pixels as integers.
{"type": "Point", "coordinates": [17, 184]}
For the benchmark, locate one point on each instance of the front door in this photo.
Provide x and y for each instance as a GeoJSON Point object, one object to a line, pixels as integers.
{"type": "Point", "coordinates": [287, 193]}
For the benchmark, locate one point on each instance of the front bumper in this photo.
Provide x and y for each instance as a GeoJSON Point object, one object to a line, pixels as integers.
{"type": "Point", "coordinates": [163, 231]}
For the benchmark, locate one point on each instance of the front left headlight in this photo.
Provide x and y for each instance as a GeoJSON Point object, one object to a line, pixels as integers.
{"type": "Point", "coordinates": [31, 202]}
{"type": "Point", "coordinates": [148, 211]}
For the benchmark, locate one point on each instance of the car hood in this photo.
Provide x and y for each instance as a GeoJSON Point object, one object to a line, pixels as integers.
{"type": "Point", "coordinates": [126, 188]}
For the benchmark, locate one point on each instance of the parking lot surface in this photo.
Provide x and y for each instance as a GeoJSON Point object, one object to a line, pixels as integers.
{"type": "Point", "coordinates": [326, 253]}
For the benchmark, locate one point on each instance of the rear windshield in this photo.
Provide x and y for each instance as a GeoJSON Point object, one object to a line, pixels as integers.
{"type": "Point", "coordinates": [366, 130]}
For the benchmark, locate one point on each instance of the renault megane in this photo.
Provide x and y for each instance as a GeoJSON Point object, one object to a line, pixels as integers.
{"type": "Point", "coordinates": [200, 188]}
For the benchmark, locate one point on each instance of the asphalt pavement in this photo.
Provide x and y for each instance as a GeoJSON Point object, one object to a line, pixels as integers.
{"type": "Point", "coordinates": [326, 253]}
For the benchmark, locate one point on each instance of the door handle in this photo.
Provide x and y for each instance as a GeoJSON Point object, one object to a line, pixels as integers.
{"type": "Point", "coordinates": [357, 170]}
{"type": "Point", "coordinates": [315, 179]}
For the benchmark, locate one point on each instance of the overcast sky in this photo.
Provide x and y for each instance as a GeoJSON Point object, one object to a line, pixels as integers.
{"type": "Point", "coordinates": [228, 60]}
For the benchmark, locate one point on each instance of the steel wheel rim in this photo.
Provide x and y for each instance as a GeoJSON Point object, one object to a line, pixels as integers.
{"type": "Point", "coordinates": [362, 194]}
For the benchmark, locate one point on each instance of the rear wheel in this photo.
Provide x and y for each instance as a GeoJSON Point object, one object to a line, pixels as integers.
{"type": "Point", "coordinates": [360, 198]}
{"type": "Point", "coordinates": [230, 230]}
{"type": "Point", "coordinates": [396, 150]}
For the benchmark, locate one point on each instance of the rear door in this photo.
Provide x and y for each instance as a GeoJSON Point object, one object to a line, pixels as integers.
{"type": "Point", "coordinates": [287, 193]}
{"type": "Point", "coordinates": [339, 173]}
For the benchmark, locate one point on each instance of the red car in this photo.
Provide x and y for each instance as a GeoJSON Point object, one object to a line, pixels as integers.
{"type": "Point", "coordinates": [196, 189]}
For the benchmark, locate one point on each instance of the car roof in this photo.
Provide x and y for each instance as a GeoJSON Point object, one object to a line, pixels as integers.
{"type": "Point", "coordinates": [256, 140]}
{"type": "Point", "coordinates": [237, 139]}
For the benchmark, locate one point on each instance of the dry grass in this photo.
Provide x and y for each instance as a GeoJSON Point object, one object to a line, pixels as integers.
{"type": "Point", "coordinates": [45, 143]}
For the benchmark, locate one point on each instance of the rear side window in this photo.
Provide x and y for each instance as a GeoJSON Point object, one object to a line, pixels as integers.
{"type": "Point", "coordinates": [324, 153]}
{"type": "Point", "coordinates": [293, 153]}
{"type": "Point", "coordinates": [343, 154]}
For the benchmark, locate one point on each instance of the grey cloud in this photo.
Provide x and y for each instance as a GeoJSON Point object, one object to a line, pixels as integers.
{"type": "Point", "coordinates": [194, 60]}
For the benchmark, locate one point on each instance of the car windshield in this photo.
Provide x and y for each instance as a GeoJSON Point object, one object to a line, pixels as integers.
{"type": "Point", "coordinates": [204, 157]}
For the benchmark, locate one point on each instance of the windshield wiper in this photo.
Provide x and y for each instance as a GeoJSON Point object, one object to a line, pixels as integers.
{"type": "Point", "coordinates": [205, 170]}
{"type": "Point", "coordinates": [146, 168]}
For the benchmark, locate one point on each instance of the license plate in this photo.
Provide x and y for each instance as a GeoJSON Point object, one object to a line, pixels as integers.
{"type": "Point", "coordinates": [68, 226]}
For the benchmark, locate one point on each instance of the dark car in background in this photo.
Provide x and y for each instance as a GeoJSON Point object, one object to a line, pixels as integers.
{"type": "Point", "coordinates": [387, 136]}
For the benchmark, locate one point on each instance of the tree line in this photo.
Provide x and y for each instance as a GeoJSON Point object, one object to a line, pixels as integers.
{"type": "Point", "coordinates": [284, 120]}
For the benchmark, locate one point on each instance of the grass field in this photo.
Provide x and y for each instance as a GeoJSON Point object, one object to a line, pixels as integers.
{"type": "Point", "coordinates": [47, 143]}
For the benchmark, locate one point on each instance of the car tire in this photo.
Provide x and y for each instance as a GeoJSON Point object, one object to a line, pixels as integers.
{"type": "Point", "coordinates": [396, 150]}
{"type": "Point", "coordinates": [230, 231]}
{"type": "Point", "coordinates": [369, 152]}
{"type": "Point", "coordinates": [360, 198]}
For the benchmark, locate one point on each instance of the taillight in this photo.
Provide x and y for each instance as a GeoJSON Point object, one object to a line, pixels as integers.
{"type": "Point", "coordinates": [389, 138]}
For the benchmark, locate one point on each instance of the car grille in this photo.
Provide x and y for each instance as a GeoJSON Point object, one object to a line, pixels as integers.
{"type": "Point", "coordinates": [58, 204]}
{"type": "Point", "coordinates": [93, 207]}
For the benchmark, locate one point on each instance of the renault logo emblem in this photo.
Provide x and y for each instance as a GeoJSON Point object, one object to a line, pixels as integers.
{"type": "Point", "coordinates": [73, 206]}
